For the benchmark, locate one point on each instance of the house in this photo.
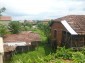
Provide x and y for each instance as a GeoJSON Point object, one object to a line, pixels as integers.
{"type": "Point", "coordinates": [21, 42]}
{"type": "Point", "coordinates": [68, 31]}
{"type": "Point", "coordinates": [5, 20]}
{"type": "Point", "coordinates": [22, 39]}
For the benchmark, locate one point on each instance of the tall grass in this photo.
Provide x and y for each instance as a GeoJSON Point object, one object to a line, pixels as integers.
{"type": "Point", "coordinates": [44, 54]}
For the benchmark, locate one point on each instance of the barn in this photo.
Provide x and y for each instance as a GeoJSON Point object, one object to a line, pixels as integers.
{"type": "Point", "coordinates": [68, 31]}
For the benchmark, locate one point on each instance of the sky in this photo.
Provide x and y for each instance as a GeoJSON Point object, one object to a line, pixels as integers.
{"type": "Point", "coordinates": [42, 9]}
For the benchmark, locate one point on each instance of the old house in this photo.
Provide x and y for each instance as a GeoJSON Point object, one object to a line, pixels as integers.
{"type": "Point", "coordinates": [5, 20]}
{"type": "Point", "coordinates": [69, 31]}
{"type": "Point", "coordinates": [21, 42]}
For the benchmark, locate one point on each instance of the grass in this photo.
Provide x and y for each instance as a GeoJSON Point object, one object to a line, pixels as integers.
{"type": "Point", "coordinates": [44, 54]}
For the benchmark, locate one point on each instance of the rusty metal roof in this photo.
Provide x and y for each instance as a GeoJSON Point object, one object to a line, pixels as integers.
{"type": "Point", "coordinates": [77, 22]}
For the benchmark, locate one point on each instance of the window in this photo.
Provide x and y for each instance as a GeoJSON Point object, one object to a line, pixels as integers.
{"type": "Point", "coordinates": [55, 33]}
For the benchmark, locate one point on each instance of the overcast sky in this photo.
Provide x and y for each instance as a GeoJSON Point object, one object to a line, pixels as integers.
{"type": "Point", "coordinates": [42, 9]}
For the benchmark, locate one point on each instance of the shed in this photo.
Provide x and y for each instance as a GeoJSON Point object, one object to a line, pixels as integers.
{"type": "Point", "coordinates": [69, 31]}
{"type": "Point", "coordinates": [22, 42]}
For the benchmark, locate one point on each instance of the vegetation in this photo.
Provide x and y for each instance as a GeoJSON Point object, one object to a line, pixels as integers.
{"type": "Point", "coordinates": [15, 27]}
{"type": "Point", "coordinates": [3, 30]}
{"type": "Point", "coordinates": [45, 28]}
{"type": "Point", "coordinates": [2, 10]}
{"type": "Point", "coordinates": [44, 53]}
{"type": "Point", "coordinates": [26, 26]}
{"type": "Point", "coordinates": [39, 56]}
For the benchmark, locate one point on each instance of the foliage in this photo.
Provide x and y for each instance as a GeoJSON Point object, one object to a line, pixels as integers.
{"type": "Point", "coordinates": [64, 53]}
{"type": "Point", "coordinates": [59, 61]}
{"type": "Point", "coordinates": [30, 57]}
{"type": "Point", "coordinates": [41, 33]}
{"type": "Point", "coordinates": [27, 24]}
{"type": "Point", "coordinates": [3, 30]}
{"type": "Point", "coordinates": [2, 10]}
{"type": "Point", "coordinates": [39, 56]}
{"type": "Point", "coordinates": [78, 57]}
{"type": "Point", "coordinates": [15, 27]}
{"type": "Point", "coordinates": [26, 28]}
{"type": "Point", "coordinates": [45, 28]}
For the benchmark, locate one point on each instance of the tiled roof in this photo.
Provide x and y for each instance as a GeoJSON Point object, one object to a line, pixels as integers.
{"type": "Point", "coordinates": [77, 22]}
{"type": "Point", "coordinates": [21, 37]}
{"type": "Point", "coordinates": [6, 18]}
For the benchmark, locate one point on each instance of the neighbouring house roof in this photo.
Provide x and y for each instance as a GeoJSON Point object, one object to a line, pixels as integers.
{"type": "Point", "coordinates": [15, 43]}
{"type": "Point", "coordinates": [76, 22]}
{"type": "Point", "coordinates": [22, 37]}
{"type": "Point", "coordinates": [5, 18]}
{"type": "Point", "coordinates": [19, 39]}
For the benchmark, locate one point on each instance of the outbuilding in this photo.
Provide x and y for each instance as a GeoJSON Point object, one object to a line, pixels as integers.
{"type": "Point", "coordinates": [68, 31]}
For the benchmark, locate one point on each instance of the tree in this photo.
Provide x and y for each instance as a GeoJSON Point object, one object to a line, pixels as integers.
{"type": "Point", "coordinates": [3, 30]}
{"type": "Point", "coordinates": [45, 28]}
{"type": "Point", "coordinates": [2, 10]}
{"type": "Point", "coordinates": [15, 27]}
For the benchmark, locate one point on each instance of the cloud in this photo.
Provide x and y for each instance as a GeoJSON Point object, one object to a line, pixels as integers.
{"type": "Point", "coordinates": [42, 9]}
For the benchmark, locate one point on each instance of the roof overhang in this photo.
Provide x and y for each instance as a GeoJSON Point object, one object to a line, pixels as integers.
{"type": "Point", "coordinates": [68, 27]}
{"type": "Point", "coordinates": [15, 43]}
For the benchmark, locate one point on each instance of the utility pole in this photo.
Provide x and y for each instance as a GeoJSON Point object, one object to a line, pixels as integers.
{"type": "Point", "coordinates": [1, 50]}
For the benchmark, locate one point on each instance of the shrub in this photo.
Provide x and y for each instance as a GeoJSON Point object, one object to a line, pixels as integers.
{"type": "Point", "coordinates": [78, 57]}
{"type": "Point", "coordinates": [63, 53]}
{"type": "Point", "coordinates": [3, 30]}
{"type": "Point", "coordinates": [48, 58]}
{"type": "Point", "coordinates": [28, 24]}
{"type": "Point", "coordinates": [14, 27]}
{"type": "Point", "coordinates": [59, 61]}
{"type": "Point", "coordinates": [26, 28]}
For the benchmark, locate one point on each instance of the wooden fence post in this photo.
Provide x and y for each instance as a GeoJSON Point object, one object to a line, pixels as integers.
{"type": "Point", "coordinates": [1, 50]}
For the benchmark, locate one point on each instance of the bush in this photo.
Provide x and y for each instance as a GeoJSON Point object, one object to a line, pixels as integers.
{"type": "Point", "coordinates": [59, 61]}
{"type": "Point", "coordinates": [78, 57]}
{"type": "Point", "coordinates": [63, 53]}
{"type": "Point", "coordinates": [15, 27]}
{"type": "Point", "coordinates": [3, 30]}
{"type": "Point", "coordinates": [26, 28]}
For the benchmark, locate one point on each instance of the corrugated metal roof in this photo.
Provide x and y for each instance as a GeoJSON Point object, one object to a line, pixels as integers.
{"type": "Point", "coordinates": [77, 22]}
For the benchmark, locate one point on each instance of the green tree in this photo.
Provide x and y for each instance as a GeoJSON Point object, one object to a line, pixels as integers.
{"type": "Point", "coordinates": [2, 10]}
{"type": "Point", "coordinates": [27, 24]}
{"type": "Point", "coordinates": [45, 28]}
{"type": "Point", "coordinates": [15, 27]}
{"type": "Point", "coordinates": [3, 30]}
